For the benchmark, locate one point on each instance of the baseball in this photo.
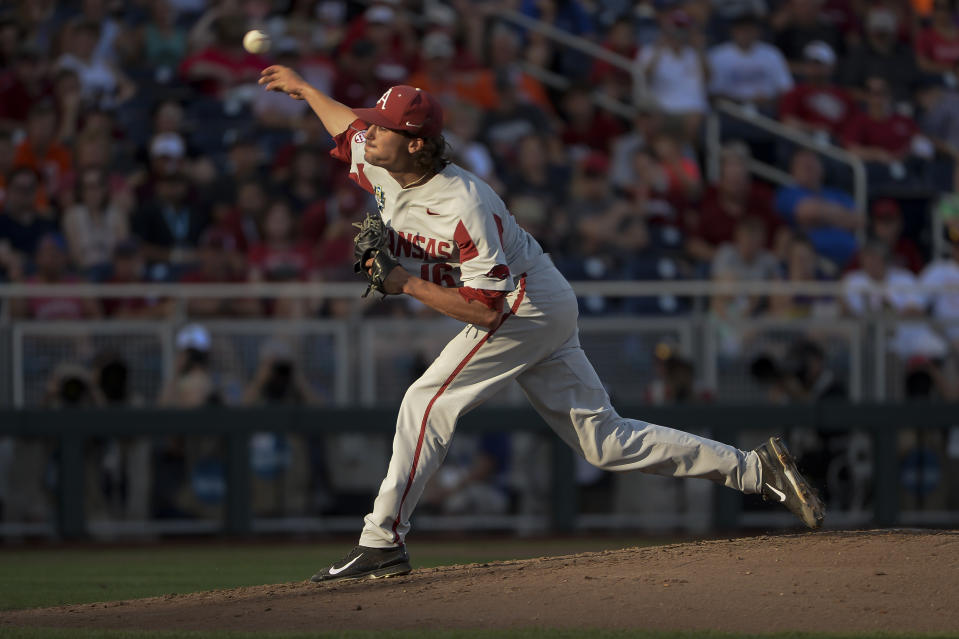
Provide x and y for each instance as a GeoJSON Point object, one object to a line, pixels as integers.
{"type": "Point", "coordinates": [256, 41]}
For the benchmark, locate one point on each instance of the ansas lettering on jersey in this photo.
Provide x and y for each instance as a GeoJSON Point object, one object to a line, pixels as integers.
{"type": "Point", "coordinates": [419, 247]}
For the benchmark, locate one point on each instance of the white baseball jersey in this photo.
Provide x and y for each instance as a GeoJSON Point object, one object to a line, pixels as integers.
{"type": "Point", "coordinates": [454, 230]}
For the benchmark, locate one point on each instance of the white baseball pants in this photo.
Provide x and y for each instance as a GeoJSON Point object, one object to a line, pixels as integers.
{"type": "Point", "coordinates": [537, 344]}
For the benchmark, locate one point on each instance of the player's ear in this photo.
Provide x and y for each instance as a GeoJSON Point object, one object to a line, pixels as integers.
{"type": "Point", "coordinates": [415, 145]}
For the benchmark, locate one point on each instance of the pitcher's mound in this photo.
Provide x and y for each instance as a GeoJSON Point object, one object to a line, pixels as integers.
{"type": "Point", "coordinates": [842, 581]}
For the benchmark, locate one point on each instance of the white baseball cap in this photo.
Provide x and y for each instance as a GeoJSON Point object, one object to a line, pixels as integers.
{"type": "Point", "coordinates": [193, 336]}
{"type": "Point", "coordinates": [819, 51]}
{"type": "Point", "coordinates": [169, 145]}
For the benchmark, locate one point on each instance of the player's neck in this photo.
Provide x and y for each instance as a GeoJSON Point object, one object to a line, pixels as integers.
{"type": "Point", "coordinates": [409, 179]}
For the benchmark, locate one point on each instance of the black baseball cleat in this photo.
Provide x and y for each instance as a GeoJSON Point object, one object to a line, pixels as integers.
{"type": "Point", "coordinates": [368, 562]}
{"type": "Point", "coordinates": [783, 483]}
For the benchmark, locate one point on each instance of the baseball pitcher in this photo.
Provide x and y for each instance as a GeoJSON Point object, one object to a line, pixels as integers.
{"type": "Point", "coordinates": [442, 236]}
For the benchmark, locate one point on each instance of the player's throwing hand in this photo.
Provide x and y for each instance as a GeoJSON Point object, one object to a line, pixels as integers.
{"type": "Point", "coordinates": [283, 80]}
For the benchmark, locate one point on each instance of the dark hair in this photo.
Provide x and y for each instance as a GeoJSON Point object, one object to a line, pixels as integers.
{"type": "Point", "coordinates": [434, 156]}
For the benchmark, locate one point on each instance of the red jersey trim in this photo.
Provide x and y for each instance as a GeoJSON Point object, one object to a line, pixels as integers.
{"type": "Point", "coordinates": [343, 151]}
{"type": "Point", "coordinates": [465, 243]}
{"type": "Point", "coordinates": [446, 384]}
{"type": "Point", "coordinates": [490, 299]}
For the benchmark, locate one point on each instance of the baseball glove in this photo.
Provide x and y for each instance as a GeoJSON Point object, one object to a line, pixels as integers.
{"type": "Point", "coordinates": [371, 242]}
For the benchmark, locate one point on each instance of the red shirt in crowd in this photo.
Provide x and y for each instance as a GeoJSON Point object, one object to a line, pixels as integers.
{"type": "Point", "coordinates": [893, 133]}
{"type": "Point", "coordinates": [282, 264]}
{"type": "Point", "coordinates": [717, 225]}
{"type": "Point", "coordinates": [56, 308]}
{"type": "Point", "coordinates": [931, 45]}
{"type": "Point", "coordinates": [905, 254]}
{"type": "Point", "coordinates": [242, 67]}
{"type": "Point", "coordinates": [599, 135]}
{"type": "Point", "coordinates": [828, 106]}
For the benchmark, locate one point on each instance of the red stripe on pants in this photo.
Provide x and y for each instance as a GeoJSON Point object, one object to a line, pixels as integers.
{"type": "Point", "coordinates": [449, 380]}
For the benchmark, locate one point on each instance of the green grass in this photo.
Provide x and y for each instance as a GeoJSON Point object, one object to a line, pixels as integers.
{"type": "Point", "coordinates": [531, 633]}
{"type": "Point", "coordinates": [32, 578]}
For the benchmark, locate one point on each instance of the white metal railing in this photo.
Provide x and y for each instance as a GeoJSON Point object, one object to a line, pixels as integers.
{"type": "Point", "coordinates": [348, 290]}
{"type": "Point", "coordinates": [774, 174]}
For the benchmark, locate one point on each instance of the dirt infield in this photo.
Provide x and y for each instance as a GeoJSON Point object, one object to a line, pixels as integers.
{"type": "Point", "coordinates": [840, 581]}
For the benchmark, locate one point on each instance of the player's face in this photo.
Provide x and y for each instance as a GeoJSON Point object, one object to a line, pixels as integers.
{"type": "Point", "coordinates": [389, 149]}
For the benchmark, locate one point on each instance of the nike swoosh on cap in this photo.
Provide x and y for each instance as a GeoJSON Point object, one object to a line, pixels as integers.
{"type": "Point", "coordinates": [336, 571]}
{"type": "Point", "coordinates": [429, 212]}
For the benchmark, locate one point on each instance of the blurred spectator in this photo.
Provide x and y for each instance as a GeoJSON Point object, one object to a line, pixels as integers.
{"type": "Point", "coordinates": [803, 375]}
{"type": "Point", "coordinates": [675, 379]}
{"type": "Point", "coordinates": [129, 268]}
{"type": "Point", "coordinates": [744, 260]}
{"type": "Point", "coordinates": [940, 280]}
{"type": "Point", "coordinates": [667, 179]}
{"type": "Point", "coordinates": [746, 70]}
{"type": "Point", "coordinates": [68, 99]}
{"type": "Point", "coordinates": [508, 122]}
{"type": "Point", "coordinates": [279, 380]}
{"type": "Point", "coordinates": [308, 173]}
{"type": "Point", "coordinates": [880, 55]}
{"type": "Point", "coordinates": [356, 81]}
{"type": "Point", "coordinates": [219, 262]}
{"type": "Point", "coordinates": [162, 44]}
{"type": "Point", "coordinates": [243, 164]}
{"type": "Point", "coordinates": [646, 121]}
{"type": "Point", "coordinates": [880, 135]}
{"type": "Point", "coordinates": [886, 226]}
{"type": "Point", "coordinates": [536, 173]}
{"type": "Point", "coordinates": [439, 76]}
{"type": "Point", "coordinates": [796, 25]}
{"type": "Point", "coordinates": [586, 126]}
{"type": "Point", "coordinates": [608, 230]}
{"type": "Point", "coordinates": [127, 472]}
{"type": "Point", "coordinates": [276, 110]}
{"type": "Point", "coordinates": [392, 38]}
{"type": "Point", "coordinates": [803, 265]}
{"type": "Point", "coordinates": [282, 256]}
{"type": "Point", "coordinates": [281, 468]}
{"type": "Point", "coordinates": [879, 287]}
{"type": "Point", "coordinates": [462, 131]}
{"type": "Point", "coordinates": [735, 196]}
{"type": "Point", "coordinates": [615, 82]}
{"type": "Point", "coordinates": [94, 226]}
{"type": "Point", "coordinates": [22, 86]}
{"type": "Point", "coordinates": [827, 216]}
{"type": "Point", "coordinates": [474, 479]}
{"type": "Point", "coordinates": [102, 85]}
{"type": "Point", "coordinates": [41, 151]}
{"type": "Point", "coordinates": [71, 385]}
{"type": "Point", "coordinates": [189, 470]}
{"type": "Point", "coordinates": [816, 105]}
{"type": "Point", "coordinates": [937, 45]}
{"type": "Point", "coordinates": [21, 225]}
{"type": "Point", "coordinates": [51, 268]}
{"type": "Point", "coordinates": [675, 70]}
{"type": "Point", "coordinates": [192, 383]}
{"type": "Point", "coordinates": [10, 38]}
{"type": "Point", "coordinates": [224, 64]}
{"type": "Point", "coordinates": [939, 117]}
{"type": "Point", "coordinates": [506, 79]}
{"type": "Point", "coordinates": [171, 224]}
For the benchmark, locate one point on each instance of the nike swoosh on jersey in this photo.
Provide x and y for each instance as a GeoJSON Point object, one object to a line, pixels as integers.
{"type": "Point", "coordinates": [429, 212]}
{"type": "Point", "coordinates": [781, 494]}
{"type": "Point", "coordinates": [336, 571]}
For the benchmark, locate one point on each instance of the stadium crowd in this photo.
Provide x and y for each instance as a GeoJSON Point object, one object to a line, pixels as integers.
{"type": "Point", "coordinates": [135, 146]}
